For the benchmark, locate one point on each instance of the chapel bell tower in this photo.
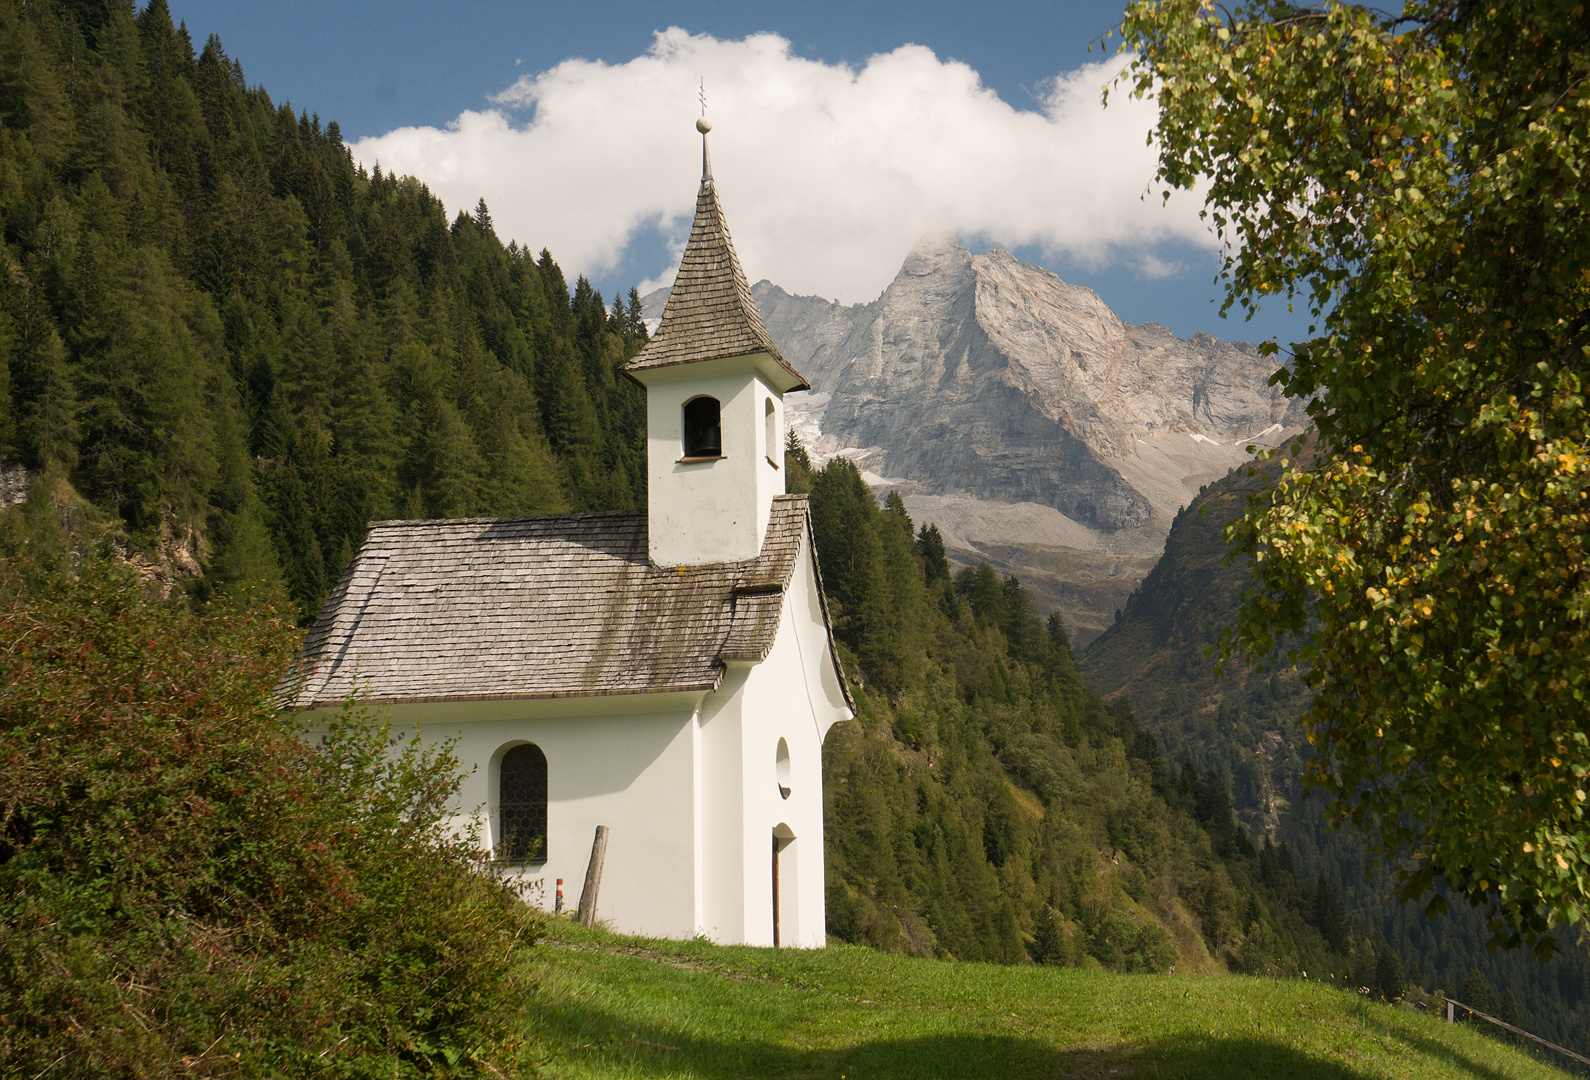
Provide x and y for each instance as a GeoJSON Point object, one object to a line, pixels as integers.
{"type": "Point", "coordinates": [715, 386]}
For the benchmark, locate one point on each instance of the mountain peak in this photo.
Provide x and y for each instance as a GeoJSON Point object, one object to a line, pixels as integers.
{"type": "Point", "coordinates": [936, 243]}
{"type": "Point", "coordinates": [981, 379]}
{"type": "Point", "coordinates": [934, 253]}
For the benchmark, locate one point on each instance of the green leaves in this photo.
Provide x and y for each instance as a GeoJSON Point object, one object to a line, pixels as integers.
{"type": "Point", "coordinates": [1418, 180]}
{"type": "Point", "coordinates": [180, 869]}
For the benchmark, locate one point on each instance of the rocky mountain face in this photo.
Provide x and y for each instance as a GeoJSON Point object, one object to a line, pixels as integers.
{"type": "Point", "coordinates": [1024, 417]}
{"type": "Point", "coordinates": [1239, 721]}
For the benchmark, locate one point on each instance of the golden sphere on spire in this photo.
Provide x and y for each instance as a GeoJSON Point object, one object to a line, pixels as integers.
{"type": "Point", "coordinates": [703, 125]}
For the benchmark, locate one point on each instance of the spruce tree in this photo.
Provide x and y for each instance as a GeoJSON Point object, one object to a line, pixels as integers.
{"type": "Point", "coordinates": [794, 448]}
{"type": "Point", "coordinates": [1389, 981]}
{"type": "Point", "coordinates": [930, 545]}
{"type": "Point", "coordinates": [844, 522]}
{"type": "Point", "coordinates": [8, 415]}
{"type": "Point", "coordinates": [797, 466]}
{"type": "Point", "coordinates": [1048, 946]}
{"type": "Point", "coordinates": [1329, 915]}
{"type": "Point", "coordinates": [1507, 1012]}
{"type": "Point", "coordinates": [451, 468]}
{"type": "Point", "coordinates": [1022, 625]}
{"type": "Point", "coordinates": [895, 514]}
{"type": "Point", "coordinates": [1478, 994]}
{"type": "Point", "coordinates": [1059, 637]}
{"type": "Point", "coordinates": [46, 402]}
{"type": "Point", "coordinates": [981, 586]}
{"type": "Point", "coordinates": [635, 321]}
{"type": "Point", "coordinates": [522, 475]}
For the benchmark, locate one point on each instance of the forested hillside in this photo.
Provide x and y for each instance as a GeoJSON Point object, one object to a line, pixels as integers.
{"type": "Point", "coordinates": [243, 347]}
{"type": "Point", "coordinates": [1241, 725]}
{"type": "Point", "coordinates": [227, 348]}
{"type": "Point", "coordinates": [989, 805]}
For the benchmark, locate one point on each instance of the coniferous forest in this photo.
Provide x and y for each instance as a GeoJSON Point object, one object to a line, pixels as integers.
{"type": "Point", "coordinates": [220, 331]}
{"type": "Point", "coordinates": [989, 805]}
{"type": "Point", "coordinates": [225, 348]}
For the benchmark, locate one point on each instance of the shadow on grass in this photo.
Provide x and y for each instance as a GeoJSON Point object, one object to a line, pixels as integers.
{"type": "Point", "coordinates": [598, 1042]}
{"type": "Point", "coordinates": [739, 1030]}
{"type": "Point", "coordinates": [1461, 1063]}
{"type": "Point", "coordinates": [1190, 1056]}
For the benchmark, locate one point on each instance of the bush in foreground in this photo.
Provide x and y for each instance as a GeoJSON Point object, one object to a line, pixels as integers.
{"type": "Point", "coordinates": [187, 887]}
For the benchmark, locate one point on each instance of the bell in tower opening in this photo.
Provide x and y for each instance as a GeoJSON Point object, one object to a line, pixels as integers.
{"type": "Point", "coordinates": [703, 431]}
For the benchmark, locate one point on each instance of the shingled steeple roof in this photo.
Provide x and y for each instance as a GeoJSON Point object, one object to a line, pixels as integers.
{"type": "Point", "coordinates": [710, 314]}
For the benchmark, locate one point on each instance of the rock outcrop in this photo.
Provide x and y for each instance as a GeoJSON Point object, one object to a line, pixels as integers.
{"type": "Point", "coordinates": [977, 379]}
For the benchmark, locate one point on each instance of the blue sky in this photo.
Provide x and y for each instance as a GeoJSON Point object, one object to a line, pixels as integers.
{"type": "Point", "coordinates": [823, 116]}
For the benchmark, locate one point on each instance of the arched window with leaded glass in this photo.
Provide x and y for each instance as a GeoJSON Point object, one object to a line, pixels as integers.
{"type": "Point", "coordinates": [522, 805]}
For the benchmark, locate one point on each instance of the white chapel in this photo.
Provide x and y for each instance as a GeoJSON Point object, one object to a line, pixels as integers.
{"type": "Point", "coordinates": [670, 675]}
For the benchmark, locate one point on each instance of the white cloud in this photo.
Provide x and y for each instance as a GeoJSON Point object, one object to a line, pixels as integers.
{"type": "Point", "coordinates": [1154, 268]}
{"type": "Point", "coordinates": [828, 174]}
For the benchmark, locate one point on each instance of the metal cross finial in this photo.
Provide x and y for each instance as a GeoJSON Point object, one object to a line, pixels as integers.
{"type": "Point", "coordinates": [704, 125]}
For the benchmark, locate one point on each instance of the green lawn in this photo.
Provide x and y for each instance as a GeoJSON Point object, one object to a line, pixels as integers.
{"type": "Point", "coordinates": [613, 1006]}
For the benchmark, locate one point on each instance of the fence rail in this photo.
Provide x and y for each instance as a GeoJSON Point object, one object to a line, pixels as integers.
{"type": "Point", "coordinates": [1451, 1017]}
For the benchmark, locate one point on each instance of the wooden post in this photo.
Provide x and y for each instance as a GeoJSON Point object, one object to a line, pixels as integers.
{"type": "Point", "coordinates": [593, 877]}
{"type": "Point", "coordinates": [1451, 1013]}
{"type": "Point", "coordinates": [775, 892]}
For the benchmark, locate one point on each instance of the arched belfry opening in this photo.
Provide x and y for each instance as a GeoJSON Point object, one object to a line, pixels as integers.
{"type": "Point", "coordinates": [703, 428]}
{"type": "Point", "coordinates": [522, 805]}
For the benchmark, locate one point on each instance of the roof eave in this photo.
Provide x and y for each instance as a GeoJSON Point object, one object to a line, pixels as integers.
{"type": "Point", "coordinates": [774, 369]}
{"type": "Point", "coordinates": [510, 695]}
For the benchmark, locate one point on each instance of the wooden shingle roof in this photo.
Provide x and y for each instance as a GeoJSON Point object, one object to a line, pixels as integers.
{"type": "Point", "coordinates": [539, 607]}
{"type": "Point", "coordinates": [710, 314]}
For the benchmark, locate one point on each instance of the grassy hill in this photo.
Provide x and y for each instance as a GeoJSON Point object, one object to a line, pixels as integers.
{"type": "Point", "coordinates": [619, 1006]}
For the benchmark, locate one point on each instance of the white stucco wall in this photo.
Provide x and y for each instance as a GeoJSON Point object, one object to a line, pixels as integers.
{"type": "Point", "coordinates": [633, 771]}
{"type": "Point", "coordinates": [794, 695]}
{"type": "Point", "coordinates": [723, 809]}
{"type": "Point", "coordinates": [710, 511]}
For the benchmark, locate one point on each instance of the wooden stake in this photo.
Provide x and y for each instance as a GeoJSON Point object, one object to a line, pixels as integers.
{"type": "Point", "coordinates": [593, 877]}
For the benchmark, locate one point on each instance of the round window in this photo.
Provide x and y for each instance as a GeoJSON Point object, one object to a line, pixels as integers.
{"type": "Point", "coordinates": [783, 769]}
